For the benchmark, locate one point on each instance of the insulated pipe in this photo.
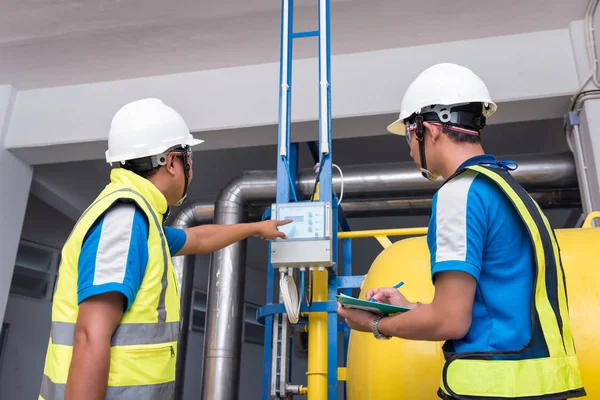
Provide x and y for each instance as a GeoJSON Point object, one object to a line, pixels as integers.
{"type": "Point", "coordinates": [223, 332]}
{"type": "Point", "coordinates": [535, 172]}
{"type": "Point", "coordinates": [422, 206]}
{"type": "Point", "coordinates": [225, 301]}
{"type": "Point", "coordinates": [185, 268]}
{"type": "Point", "coordinates": [187, 294]}
{"type": "Point", "coordinates": [567, 197]}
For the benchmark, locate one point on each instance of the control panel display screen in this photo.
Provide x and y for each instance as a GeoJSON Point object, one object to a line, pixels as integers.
{"type": "Point", "coordinates": [295, 218]}
{"type": "Point", "coordinates": [308, 220]}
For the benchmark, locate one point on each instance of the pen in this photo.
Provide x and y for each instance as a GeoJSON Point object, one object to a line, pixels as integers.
{"type": "Point", "coordinates": [398, 285]}
{"type": "Point", "coordinates": [395, 287]}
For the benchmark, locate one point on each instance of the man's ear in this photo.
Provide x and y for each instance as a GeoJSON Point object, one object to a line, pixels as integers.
{"type": "Point", "coordinates": [171, 163]}
{"type": "Point", "coordinates": [434, 130]}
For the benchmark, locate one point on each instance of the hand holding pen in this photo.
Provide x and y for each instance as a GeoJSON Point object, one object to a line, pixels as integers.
{"type": "Point", "coordinates": [396, 286]}
{"type": "Point", "coordinates": [389, 296]}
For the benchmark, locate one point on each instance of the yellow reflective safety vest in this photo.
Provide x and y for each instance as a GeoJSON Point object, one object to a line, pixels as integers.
{"type": "Point", "coordinates": [485, 375]}
{"type": "Point", "coordinates": [144, 345]}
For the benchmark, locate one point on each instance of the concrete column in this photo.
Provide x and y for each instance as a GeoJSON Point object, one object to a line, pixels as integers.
{"type": "Point", "coordinates": [589, 123]}
{"type": "Point", "coordinates": [15, 181]}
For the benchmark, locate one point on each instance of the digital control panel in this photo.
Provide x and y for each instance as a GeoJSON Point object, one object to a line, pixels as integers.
{"type": "Point", "coordinates": [309, 237]}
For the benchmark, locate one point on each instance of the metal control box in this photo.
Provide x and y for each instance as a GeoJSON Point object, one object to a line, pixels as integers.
{"type": "Point", "coordinates": [309, 241]}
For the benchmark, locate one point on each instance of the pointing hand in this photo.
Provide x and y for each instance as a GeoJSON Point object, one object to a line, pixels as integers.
{"type": "Point", "coordinates": [267, 230]}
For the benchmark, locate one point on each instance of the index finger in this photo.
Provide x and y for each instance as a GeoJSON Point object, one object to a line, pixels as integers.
{"type": "Point", "coordinates": [283, 222]}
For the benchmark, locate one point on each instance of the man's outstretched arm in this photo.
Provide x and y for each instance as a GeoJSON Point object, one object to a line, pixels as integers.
{"type": "Point", "coordinates": [205, 239]}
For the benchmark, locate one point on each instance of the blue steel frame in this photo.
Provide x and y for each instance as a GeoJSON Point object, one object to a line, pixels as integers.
{"type": "Point", "coordinates": [283, 180]}
{"type": "Point", "coordinates": [286, 177]}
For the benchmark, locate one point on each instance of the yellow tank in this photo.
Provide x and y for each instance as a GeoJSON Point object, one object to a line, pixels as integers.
{"type": "Point", "coordinates": [404, 369]}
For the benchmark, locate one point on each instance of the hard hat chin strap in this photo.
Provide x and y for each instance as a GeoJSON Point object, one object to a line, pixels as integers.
{"type": "Point", "coordinates": [186, 174]}
{"type": "Point", "coordinates": [420, 132]}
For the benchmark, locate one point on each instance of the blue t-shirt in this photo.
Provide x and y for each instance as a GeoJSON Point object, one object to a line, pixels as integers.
{"type": "Point", "coordinates": [474, 228]}
{"type": "Point", "coordinates": [114, 254]}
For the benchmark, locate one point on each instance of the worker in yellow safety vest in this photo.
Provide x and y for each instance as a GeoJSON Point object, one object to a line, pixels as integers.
{"type": "Point", "coordinates": [500, 300]}
{"type": "Point", "coordinates": [115, 313]}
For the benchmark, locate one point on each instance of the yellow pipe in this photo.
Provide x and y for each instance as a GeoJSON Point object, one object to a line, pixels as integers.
{"type": "Point", "coordinates": [317, 336]}
{"type": "Point", "coordinates": [383, 232]}
{"type": "Point", "coordinates": [317, 341]}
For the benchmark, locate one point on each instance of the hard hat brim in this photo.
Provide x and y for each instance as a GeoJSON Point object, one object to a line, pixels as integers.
{"type": "Point", "coordinates": [124, 157]}
{"type": "Point", "coordinates": [194, 142]}
{"type": "Point", "coordinates": [397, 127]}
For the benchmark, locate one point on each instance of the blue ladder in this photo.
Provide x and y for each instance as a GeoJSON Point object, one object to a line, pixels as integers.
{"type": "Point", "coordinates": [285, 99]}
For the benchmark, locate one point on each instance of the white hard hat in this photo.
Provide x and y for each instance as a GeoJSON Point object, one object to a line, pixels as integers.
{"type": "Point", "coordinates": [443, 84]}
{"type": "Point", "coordinates": [145, 128]}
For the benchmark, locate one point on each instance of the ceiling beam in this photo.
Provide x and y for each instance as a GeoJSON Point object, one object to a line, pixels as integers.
{"type": "Point", "coordinates": [522, 71]}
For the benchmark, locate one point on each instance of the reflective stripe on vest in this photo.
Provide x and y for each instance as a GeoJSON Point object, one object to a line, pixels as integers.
{"type": "Point", "coordinates": [143, 347]}
{"type": "Point", "coordinates": [55, 391]}
{"type": "Point", "coordinates": [476, 375]}
{"type": "Point", "coordinates": [126, 334]}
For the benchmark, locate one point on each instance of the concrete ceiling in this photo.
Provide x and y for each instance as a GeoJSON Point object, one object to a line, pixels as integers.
{"type": "Point", "coordinates": [62, 42]}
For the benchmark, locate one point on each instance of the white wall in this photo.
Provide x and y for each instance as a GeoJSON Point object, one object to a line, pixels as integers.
{"type": "Point", "coordinates": [15, 179]}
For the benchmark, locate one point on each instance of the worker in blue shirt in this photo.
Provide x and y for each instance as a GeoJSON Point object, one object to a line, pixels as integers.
{"type": "Point", "coordinates": [115, 311]}
{"type": "Point", "coordinates": [490, 303]}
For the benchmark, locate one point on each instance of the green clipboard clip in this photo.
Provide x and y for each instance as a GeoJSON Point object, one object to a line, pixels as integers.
{"type": "Point", "coordinates": [374, 307]}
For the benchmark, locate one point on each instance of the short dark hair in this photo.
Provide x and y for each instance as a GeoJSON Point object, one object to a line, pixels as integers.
{"type": "Point", "coordinates": [147, 173]}
{"type": "Point", "coordinates": [141, 166]}
{"type": "Point", "coordinates": [461, 137]}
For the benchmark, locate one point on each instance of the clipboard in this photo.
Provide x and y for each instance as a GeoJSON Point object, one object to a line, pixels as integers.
{"type": "Point", "coordinates": [371, 306]}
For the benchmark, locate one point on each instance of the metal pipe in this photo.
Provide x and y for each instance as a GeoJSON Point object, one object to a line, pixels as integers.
{"type": "Point", "coordinates": [187, 292]}
{"type": "Point", "coordinates": [185, 269]}
{"type": "Point", "coordinates": [422, 205]}
{"type": "Point", "coordinates": [195, 214]}
{"type": "Point", "coordinates": [563, 198]}
{"type": "Point", "coordinates": [225, 301]}
{"type": "Point", "coordinates": [398, 181]}
{"type": "Point", "coordinates": [582, 171]}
